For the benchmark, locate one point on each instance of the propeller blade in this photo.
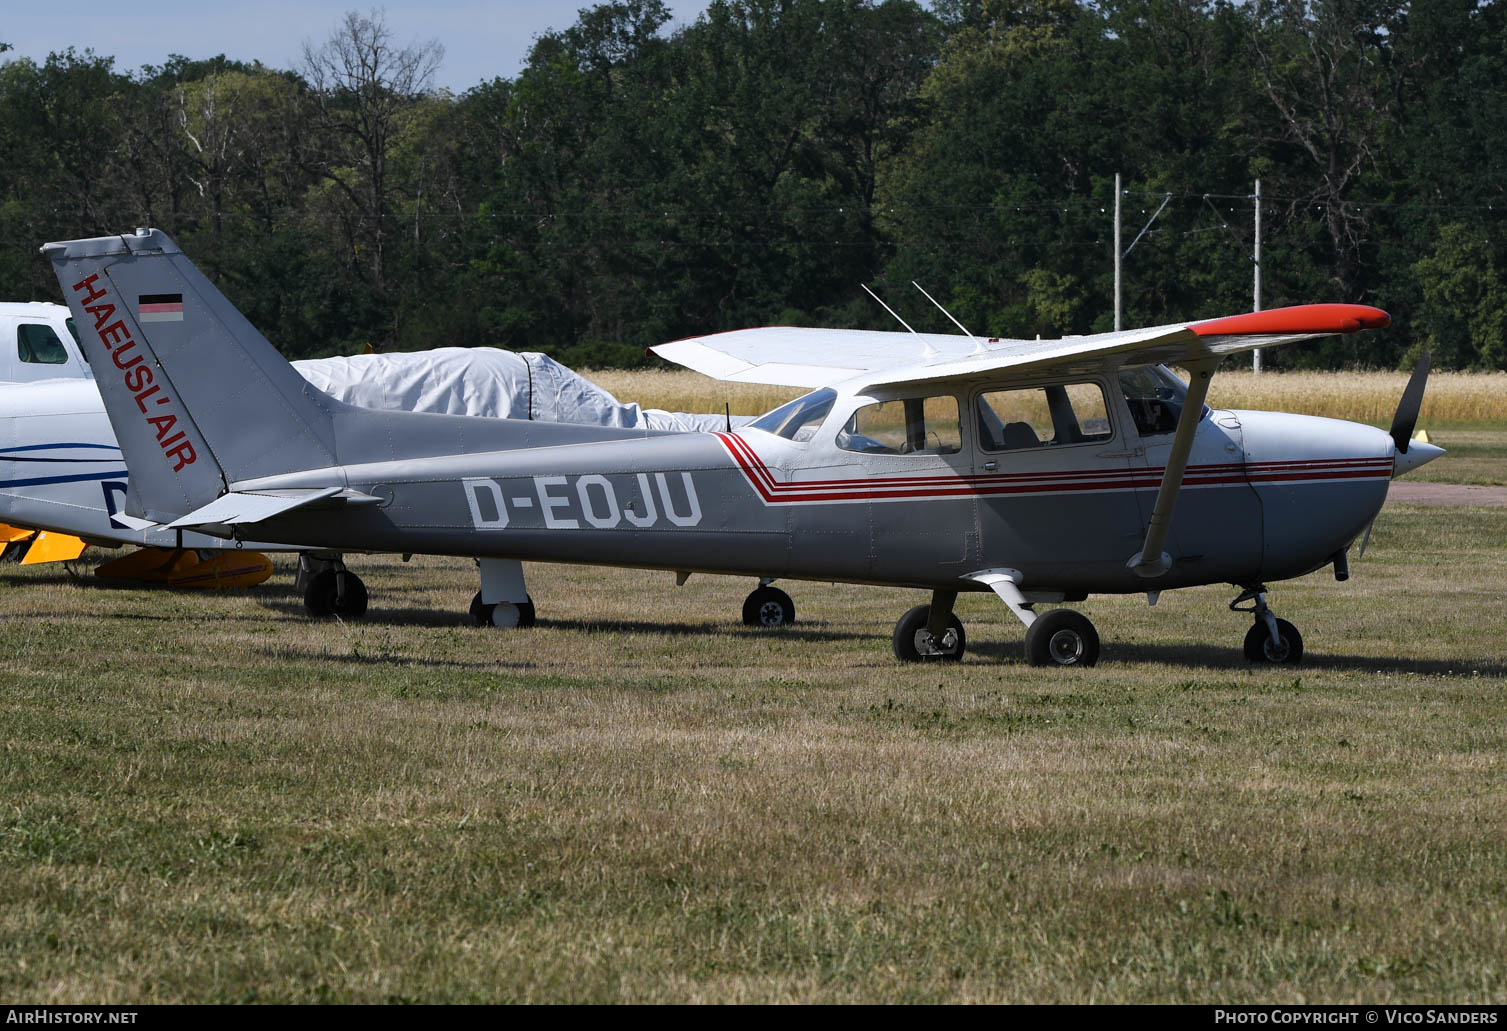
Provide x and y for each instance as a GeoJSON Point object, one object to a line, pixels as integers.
{"type": "Point", "coordinates": [1406, 418]}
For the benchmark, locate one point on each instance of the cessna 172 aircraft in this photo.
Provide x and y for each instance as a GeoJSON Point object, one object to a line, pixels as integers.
{"type": "Point", "coordinates": [1040, 470]}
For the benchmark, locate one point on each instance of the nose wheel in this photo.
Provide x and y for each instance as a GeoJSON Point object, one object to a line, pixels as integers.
{"type": "Point", "coordinates": [1270, 641]}
{"type": "Point", "coordinates": [917, 640]}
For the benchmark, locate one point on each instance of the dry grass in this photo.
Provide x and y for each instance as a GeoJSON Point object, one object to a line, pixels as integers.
{"type": "Point", "coordinates": [680, 390]}
{"type": "Point", "coordinates": [212, 798]}
{"type": "Point", "coordinates": [1451, 398]}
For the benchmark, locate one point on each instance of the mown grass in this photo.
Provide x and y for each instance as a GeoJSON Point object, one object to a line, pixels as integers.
{"type": "Point", "coordinates": [208, 797]}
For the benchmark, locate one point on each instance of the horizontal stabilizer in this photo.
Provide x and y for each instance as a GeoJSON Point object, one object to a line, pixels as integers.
{"type": "Point", "coordinates": [10, 534]}
{"type": "Point", "coordinates": [238, 508]}
{"type": "Point", "coordinates": [130, 522]}
{"type": "Point", "coordinates": [53, 547]}
{"type": "Point", "coordinates": [221, 570]}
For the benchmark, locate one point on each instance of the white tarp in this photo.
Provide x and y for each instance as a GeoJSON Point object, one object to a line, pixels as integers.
{"type": "Point", "coordinates": [488, 382]}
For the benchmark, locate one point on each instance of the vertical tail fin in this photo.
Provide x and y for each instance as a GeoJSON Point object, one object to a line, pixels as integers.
{"type": "Point", "coordinates": [137, 300]}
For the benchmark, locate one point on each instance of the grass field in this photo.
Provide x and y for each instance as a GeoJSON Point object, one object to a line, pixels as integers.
{"type": "Point", "coordinates": [211, 798]}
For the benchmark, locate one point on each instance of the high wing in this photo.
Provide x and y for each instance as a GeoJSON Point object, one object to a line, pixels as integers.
{"type": "Point", "coordinates": [790, 356]}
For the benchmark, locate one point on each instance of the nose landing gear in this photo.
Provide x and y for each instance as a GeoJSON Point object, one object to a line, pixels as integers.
{"type": "Point", "coordinates": [931, 633]}
{"type": "Point", "coordinates": [1270, 640]}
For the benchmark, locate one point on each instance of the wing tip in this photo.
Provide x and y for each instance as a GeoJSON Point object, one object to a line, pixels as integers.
{"type": "Point", "coordinates": [1302, 318]}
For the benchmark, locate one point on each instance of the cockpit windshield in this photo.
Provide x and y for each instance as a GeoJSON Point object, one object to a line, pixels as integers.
{"type": "Point", "coordinates": [799, 419]}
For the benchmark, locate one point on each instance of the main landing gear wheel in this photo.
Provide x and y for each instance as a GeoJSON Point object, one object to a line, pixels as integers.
{"type": "Point", "coordinates": [1062, 637]}
{"type": "Point", "coordinates": [914, 643]}
{"type": "Point", "coordinates": [505, 615]}
{"type": "Point", "coordinates": [335, 592]}
{"type": "Point", "coordinates": [1286, 651]}
{"type": "Point", "coordinates": [768, 606]}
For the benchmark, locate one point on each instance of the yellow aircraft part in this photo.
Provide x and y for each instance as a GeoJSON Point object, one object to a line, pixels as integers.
{"type": "Point", "coordinates": [53, 547]}
{"type": "Point", "coordinates": [222, 570]}
{"type": "Point", "coordinates": [1422, 436]}
{"type": "Point", "coordinates": [11, 534]}
{"type": "Point", "coordinates": [153, 564]}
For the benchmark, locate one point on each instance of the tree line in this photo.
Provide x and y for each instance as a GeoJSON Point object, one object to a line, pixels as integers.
{"type": "Point", "coordinates": [633, 185]}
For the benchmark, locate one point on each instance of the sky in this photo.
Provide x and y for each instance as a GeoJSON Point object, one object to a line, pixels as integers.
{"type": "Point", "coordinates": [481, 40]}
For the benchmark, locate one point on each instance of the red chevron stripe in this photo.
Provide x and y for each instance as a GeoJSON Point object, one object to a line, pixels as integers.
{"type": "Point", "coordinates": [886, 488]}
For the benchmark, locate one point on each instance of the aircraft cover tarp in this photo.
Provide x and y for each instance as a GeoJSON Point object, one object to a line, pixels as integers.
{"type": "Point", "coordinates": [488, 382]}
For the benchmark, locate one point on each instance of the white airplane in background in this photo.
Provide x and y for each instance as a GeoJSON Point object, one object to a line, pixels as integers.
{"type": "Point", "coordinates": [38, 342]}
{"type": "Point", "coordinates": [1040, 470]}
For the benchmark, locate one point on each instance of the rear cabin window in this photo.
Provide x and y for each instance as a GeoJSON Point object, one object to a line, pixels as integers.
{"type": "Point", "coordinates": [37, 344]}
{"type": "Point", "coordinates": [914, 426]}
{"type": "Point", "coordinates": [1070, 413]}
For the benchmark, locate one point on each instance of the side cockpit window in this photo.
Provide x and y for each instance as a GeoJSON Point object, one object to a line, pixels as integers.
{"type": "Point", "coordinates": [1068, 413]}
{"type": "Point", "coordinates": [1155, 398]}
{"type": "Point", "coordinates": [914, 426]}
{"type": "Point", "coordinates": [37, 344]}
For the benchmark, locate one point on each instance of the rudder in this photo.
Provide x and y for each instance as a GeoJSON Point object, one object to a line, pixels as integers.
{"type": "Point", "coordinates": [138, 300]}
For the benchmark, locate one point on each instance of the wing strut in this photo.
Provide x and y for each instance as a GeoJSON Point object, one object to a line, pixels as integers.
{"type": "Point", "coordinates": [1151, 560]}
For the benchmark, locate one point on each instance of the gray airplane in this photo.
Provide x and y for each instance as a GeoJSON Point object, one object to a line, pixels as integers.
{"type": "Point", "coordinates": [1041, 470]}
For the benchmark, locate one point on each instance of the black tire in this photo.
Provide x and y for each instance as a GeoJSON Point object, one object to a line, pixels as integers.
{"type": "Point", "coordinates": [323, 600]}
{"type": "Point", "coordinates": [768, 607]}
{"type": "Point", "coordinates": [1260, 648]}
{"type": "Point", "coordinates": [912, 643]}
{"type": "Point", "coordinates": [1062, 637]}
{"type": "Point", "coordinates": [484, 615]}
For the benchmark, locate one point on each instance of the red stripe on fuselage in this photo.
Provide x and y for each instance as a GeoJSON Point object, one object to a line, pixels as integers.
{"type": "Point", "coordinates": [890, 488]}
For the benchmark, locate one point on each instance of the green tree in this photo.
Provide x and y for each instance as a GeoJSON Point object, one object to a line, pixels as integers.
{"type": "Point", "coordinates": [364, 86]}
{"type": "Point", "coordinates": [1463, 317]}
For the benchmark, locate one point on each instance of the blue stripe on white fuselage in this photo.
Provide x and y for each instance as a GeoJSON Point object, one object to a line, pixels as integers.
{"type": "Point", "coordinates": [37, 481]}
{"type": "Point", "coordinates": [12, 454]}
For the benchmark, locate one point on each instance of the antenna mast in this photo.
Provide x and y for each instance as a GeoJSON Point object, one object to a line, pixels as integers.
{"type": "Point", "coordinates": [978, 345]}
{"type": "Point", "coordinates": [928, 350]}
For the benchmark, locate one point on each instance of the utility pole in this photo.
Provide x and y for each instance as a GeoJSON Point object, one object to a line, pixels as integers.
{"type": "Point", "coordinates": [1256, 354]}
{"type": "Point", "coordinates": [1118, 256]}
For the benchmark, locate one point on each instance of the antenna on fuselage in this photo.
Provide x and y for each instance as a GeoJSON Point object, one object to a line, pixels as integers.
{"type": "Point", "coordinates": [926, 349]}
{"type": "Point", "coordinates": [978, 345]}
